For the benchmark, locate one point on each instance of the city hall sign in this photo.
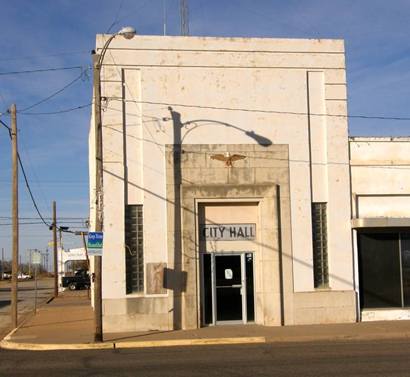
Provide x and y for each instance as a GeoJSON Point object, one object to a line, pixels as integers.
{"type": "Point", "coordinates": [227, 232]}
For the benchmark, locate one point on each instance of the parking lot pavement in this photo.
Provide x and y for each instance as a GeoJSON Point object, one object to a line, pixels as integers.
{"type": "Point", "coordinates": [26, 296]}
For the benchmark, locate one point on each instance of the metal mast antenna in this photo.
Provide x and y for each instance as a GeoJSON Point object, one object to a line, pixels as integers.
{"type": "Point", "coordinates": [184, 17]}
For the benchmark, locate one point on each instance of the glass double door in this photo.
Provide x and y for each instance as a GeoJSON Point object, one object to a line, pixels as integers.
{"type": "Point", "coordinates": [227, 288]}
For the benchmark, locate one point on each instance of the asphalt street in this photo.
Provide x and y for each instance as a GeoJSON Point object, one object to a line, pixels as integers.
{"type": "Point", "coordinates": [26, 294]}
{"type": "Point", "coordinates": [378, 358]}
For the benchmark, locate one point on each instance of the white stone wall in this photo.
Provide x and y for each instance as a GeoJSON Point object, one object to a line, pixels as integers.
{"type": "Point", "coordinates": [380, 169]}
{"type": "Point", "coordinates": [288, 91]}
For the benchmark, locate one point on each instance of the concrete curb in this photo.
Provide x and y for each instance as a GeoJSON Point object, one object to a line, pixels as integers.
{"type": "Point", "coordinates": [190, 342]}
{"type": "Point", "coordinates": [7, 344]}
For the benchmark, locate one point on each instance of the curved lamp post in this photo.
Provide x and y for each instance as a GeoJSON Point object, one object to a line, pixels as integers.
{"type": "Point", "coordinates": [128, 33]}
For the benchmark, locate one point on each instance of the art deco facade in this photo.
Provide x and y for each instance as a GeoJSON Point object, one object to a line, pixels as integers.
{"type": "Point", "coordinates": [227, 191]}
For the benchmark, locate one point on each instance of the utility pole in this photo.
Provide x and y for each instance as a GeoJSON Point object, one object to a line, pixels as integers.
{"type": "Point", "coordinates": [15, 217]}
{"type": "Point", "coordinates": [98, 335]}
{"type": "Point", "coordinates": [184, 13]}
{"type": "Point", "coordinates": [54, 226]}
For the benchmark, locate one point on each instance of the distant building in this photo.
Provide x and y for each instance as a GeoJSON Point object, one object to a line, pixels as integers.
{"type": "Point", "coordinates": [227, 190]}
{"type": "Point", "coordinates": [70, 260]}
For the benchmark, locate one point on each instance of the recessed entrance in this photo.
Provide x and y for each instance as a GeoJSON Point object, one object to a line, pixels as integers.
{"type": "Point", "coordinates": [228, 289]}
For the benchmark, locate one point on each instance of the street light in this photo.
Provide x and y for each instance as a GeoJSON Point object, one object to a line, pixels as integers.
{"type": "Point", "coordinates": [127, 32]}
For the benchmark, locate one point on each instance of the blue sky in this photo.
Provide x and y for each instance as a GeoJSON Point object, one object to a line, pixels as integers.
{"type": "Point", "coordinates": [61, 33]}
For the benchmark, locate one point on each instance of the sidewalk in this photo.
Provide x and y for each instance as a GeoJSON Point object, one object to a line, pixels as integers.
{"type": "Point", "coordinates": [67, 323]}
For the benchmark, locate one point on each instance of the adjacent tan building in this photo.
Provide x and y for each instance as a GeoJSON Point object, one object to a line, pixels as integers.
{"type": "Point", "coordinates": [226, 183]}
{"type": "Point", "coordinates": [380, 171]}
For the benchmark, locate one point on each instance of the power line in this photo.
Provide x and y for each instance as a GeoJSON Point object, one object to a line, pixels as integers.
{"type": "Point", "coordinates": [51, 183]}
{"type": "Point", "coordinates": [45, 55]}
{"type": "Point", "coordinates": [135, 10]}
{"type": "Point", "coordinates": [359, 116]}
{"type": "Point", "coordinates": [82, 75]}
{"type": "Point", "coordinates": [63, 111]}
{"type": "Point", "coordinates": [41, 223]}
{"type": "Point", "coordinates": [25, 178]}
{"type": "Point", "coordinates": [31, 166]}
{"type": "Point", "coordinates": [353, 116]}
{"type": "Point", "coordinates": [5, 125]}
{"type": "Point", "coordinates": [49, 218]}
{"type": "Point", "coordinates": [23, 223]}
{"type": "Point", "coordinates": [115, 22]}
{"type": "Point", "coordinates": [40, 70]}
{"type": "Point", "coordinates": [29, 188]}
{"type": "Point", "coordinates": [30, 192]}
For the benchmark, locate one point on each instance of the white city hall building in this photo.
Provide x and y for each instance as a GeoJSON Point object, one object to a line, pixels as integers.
{"type": "Point", "coordinates": [227, 192]}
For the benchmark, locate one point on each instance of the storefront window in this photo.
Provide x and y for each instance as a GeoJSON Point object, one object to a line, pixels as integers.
{"type": "Point", "coordinates": [384, 269]}
{"type": "Point", "coordinates": [405, 260]}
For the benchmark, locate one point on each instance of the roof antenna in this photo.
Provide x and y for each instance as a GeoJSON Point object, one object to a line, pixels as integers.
{"type": "Point", "coordinates": [183, 8]}
{"type": "Point", "coordinates": [164, 15]}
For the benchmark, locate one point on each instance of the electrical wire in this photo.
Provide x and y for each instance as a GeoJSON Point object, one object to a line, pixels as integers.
{"type": "Point", "coordinates": [49, 218]}
{"type": "Point", "coordinates": [377, 117]}
{"type": "Point", "coordinates": [5, 125]}
{"type": "Point", "coordinates": [129, 13]}
{"type": "Point", "coordinates": [29, 188]}
{"type": "Point", "coordinates": [58, 111]}
{"type": "Point", "coordinates": [115, 22]}
{"type": "Point", "coordinates": [81, 76]}
{"type": "Point", "coordinates": [38, 223]}
{"type": "Point", "coordinates": [165, 104]}
{"type": "Point", "coordinates": [22, 223]}
{"type": "Point", "coordinates": [45, 55]}
{"type": "Point", "coordinates": [25, 178]}
{"type": "Point", "coordinates": [30, 192]}
{"type": "Point", "coordinates": [25, 153]}
{"type": "Point", "coordinates": [347, 116]}
{"type": "Point", "coordinates": [40, 70]}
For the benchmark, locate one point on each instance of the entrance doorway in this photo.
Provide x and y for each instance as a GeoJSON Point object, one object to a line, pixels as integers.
{"type": "Point", "coordinates": [228, 289]}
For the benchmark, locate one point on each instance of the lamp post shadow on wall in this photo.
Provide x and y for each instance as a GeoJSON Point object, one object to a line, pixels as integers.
{"type": "Point", "coordinates": [176, 279]}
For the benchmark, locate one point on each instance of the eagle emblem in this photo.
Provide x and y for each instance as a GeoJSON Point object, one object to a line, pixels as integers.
{"type": "Point", "coordinates": [227, 158]}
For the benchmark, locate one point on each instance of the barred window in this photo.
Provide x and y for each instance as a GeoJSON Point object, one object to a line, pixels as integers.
{"type": "Point", "coordinates": [319, 230]}
{"type": "Point", "coordinates": [134, 249]}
